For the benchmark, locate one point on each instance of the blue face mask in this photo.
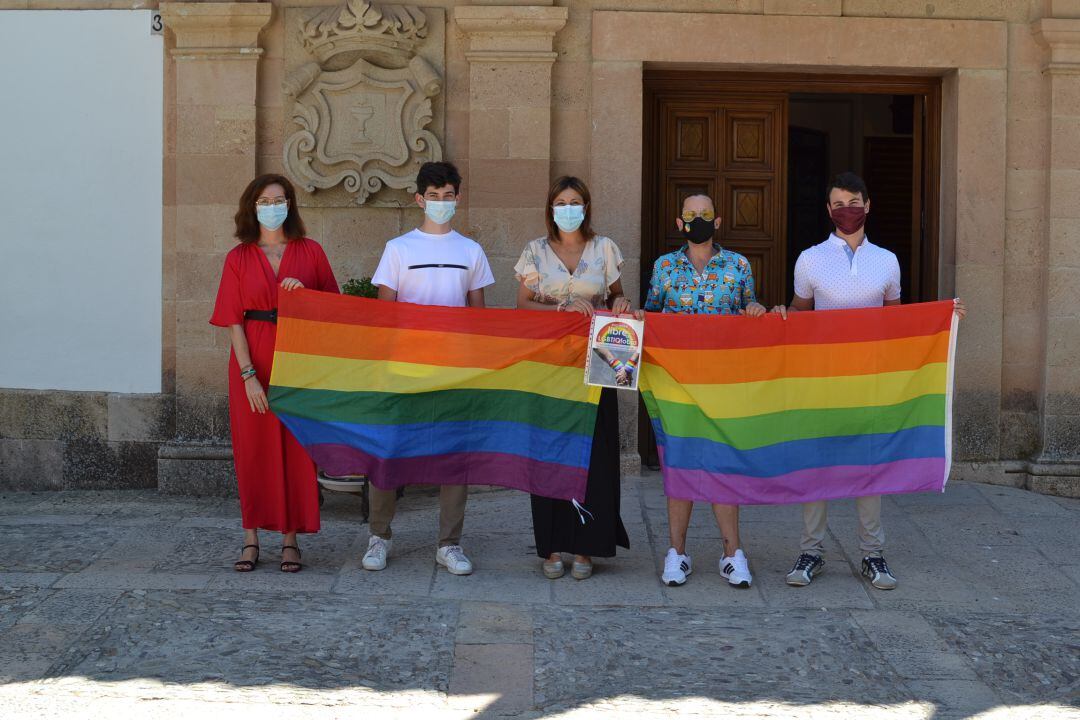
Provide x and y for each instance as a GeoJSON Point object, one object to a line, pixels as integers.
{"type": "Point", "coordinates": [272, 217]}
{"type": "Point", "coordinates": [568, 217]}
{"type": "Point", "coordinates": [440, 211]}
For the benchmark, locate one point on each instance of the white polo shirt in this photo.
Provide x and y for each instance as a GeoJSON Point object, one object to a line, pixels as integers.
{"type": "Point", "coordinates": [837, 278]}
{"type": "Point", "coordinates": [431, 269]}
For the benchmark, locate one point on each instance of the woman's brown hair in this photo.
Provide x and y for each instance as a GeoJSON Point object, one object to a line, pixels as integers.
{"type": "Point", "coordinates": [569, 182]}
{"type": "Point", "coordinates": [247, 222]}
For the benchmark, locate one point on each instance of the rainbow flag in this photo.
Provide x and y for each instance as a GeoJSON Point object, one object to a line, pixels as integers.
{"type": "Point", "coordinates": [830, 404]}
{"type": "Point", "coordinates": [409, 394]}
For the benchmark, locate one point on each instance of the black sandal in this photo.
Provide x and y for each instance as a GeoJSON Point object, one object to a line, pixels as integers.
{"type": "Point", "coordinates": [247, 565]}
{"type": "Point", "coordinates": [288, 565]}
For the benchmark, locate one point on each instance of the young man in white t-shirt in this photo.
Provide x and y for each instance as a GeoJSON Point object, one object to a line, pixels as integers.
{"type": "Point", "coordinates": [846, 271]}
{"type": "Point", "coordinates": [431, 265]}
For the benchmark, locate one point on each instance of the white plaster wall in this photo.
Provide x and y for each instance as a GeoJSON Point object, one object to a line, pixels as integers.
{"type": "Point", "coordinates": [80, 201]}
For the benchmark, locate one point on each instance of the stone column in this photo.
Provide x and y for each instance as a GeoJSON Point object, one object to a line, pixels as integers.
{"type": "Point", "coordinates": [508, 170]}
{"type": "Point", "coordinates": [1059, 467]}
{"type": "Point", "coordinates": [210, 159]}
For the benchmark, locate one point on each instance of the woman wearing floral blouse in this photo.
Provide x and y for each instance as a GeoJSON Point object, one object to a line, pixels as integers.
{"type": "Point", "coordinates": [573, 269]}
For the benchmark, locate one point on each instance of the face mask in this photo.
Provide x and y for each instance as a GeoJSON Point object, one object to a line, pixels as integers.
{"type": "Point", "coordinates": [848, 220]}
{"type": "Point", "coordinates": [699, 230]}
{"type": "Point", "coordinates": [568, 217]}
{"type": "Point", "coordinates": [271, 217]}
{"type": "Point", "coordinates": [440, 211]}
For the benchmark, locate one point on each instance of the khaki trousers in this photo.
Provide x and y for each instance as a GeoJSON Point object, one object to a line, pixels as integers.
{"type": "Point", "coordinates": [451, 512]}
{"type": "Point", "coordinates": [871, 534]}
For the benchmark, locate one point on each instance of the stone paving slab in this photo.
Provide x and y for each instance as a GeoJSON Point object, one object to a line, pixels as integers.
{"type": "Point", "coordinates": [125, 604]}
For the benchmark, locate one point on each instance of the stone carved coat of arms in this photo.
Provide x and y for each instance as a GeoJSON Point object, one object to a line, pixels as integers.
{"type": "Point", "coordinates": [360, 95]}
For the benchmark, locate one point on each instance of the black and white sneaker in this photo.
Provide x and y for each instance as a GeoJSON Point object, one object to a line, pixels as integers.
{"type": "Point", "coordinates": [876, 570]}
{"type": "Point", "coordinates": [806, 567]}
{"type": "Point", "coordinates": [736, 570]}
{"type": "Point", "coordinates": [676, 568]}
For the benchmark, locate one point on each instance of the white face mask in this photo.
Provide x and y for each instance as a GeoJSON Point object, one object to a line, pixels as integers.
{"type": "Point", "coordinates": [440, 211]}
{"type": "Point", "coordinates": [568, 217]}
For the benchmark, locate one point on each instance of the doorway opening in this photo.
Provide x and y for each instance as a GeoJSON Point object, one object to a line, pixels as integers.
{"type": "Point", "coordinates": [764, 146]}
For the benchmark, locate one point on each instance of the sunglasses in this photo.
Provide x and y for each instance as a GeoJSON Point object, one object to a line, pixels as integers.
{"type": "Point", "coordinates": [689, 215]}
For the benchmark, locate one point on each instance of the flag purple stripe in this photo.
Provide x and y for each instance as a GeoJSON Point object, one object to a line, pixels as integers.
{"type": "Point", "coordinates": [824, 483]}
{"type": "Point", "coordinates": [552, 480]}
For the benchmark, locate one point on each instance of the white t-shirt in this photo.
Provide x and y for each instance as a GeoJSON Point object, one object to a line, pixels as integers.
{"type": "Point", "coordinates": [837, 278]}
{"type": "Point", "coordinates": [433, 269]}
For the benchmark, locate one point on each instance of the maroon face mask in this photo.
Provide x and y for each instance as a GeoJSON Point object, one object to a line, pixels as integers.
{"type": "Point", "coordinates": [848, 220]}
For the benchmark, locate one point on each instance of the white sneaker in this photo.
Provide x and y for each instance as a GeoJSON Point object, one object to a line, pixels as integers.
{"type": "Point", "coordinates": [736, 570]}
{"type": "Point", "coordinates": [377, 550]}
{"type": "Point", "coordinates": [453, 558]}
{"type": "Point", "coordinates": [676, 568]}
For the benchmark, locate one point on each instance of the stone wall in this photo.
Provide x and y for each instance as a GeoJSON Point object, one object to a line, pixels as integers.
{"type": "Point", "coordinates": [530, 93]}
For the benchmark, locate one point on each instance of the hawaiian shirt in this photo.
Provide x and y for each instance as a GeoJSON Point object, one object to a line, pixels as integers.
{"type": "Point", "coordinates": [724, 287]}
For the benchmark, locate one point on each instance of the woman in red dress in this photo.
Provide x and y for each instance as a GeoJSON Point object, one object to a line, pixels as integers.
{"type": "Point", "coordinates": [278, 490]}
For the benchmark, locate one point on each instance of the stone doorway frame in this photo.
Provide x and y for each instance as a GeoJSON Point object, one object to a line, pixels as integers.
{"type": "Point", "coordinates": [970, 57]}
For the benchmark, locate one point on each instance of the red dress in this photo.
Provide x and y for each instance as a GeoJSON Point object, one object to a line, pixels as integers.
{"type": "Point", "coordinates": [277, 483]}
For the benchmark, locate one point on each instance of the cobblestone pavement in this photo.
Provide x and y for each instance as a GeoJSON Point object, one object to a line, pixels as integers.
{"type": "Point", "coordinates": [124, 604]}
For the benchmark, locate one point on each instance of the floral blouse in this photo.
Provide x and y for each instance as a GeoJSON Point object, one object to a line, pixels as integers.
{"type": "Point", "coordinates": [547, 277]}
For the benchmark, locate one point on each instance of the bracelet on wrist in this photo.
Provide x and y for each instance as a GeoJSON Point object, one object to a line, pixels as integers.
{"type": "Point", "coordinates": [247, 373]}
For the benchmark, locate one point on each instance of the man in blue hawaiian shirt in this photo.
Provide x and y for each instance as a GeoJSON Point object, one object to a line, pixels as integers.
{"type": "Point", "coordinates": [703, 278]}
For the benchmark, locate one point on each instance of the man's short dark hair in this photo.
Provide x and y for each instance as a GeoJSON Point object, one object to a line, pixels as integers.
{"type": "Point", "coordinates": [436, 175]}
{"type": "Point", "coordinates": [848, 181]}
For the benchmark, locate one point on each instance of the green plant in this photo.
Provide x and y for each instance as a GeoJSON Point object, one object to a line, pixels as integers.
{"type": "Point", "coordinates": [360, 288]}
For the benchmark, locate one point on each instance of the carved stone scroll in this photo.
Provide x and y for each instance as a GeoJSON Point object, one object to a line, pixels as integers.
{"type": "Point", "coordinates": [363, 101]}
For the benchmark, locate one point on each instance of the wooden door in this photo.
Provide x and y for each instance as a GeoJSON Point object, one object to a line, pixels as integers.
{"type": "Point", "coordinates": [731, 148]}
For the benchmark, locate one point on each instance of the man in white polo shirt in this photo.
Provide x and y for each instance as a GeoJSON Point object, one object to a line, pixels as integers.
{"type": "Point", "coordinates": [845, 271]}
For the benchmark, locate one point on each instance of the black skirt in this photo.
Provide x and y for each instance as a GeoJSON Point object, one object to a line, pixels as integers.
{"type": "Point", "coordinates": [557, 526]}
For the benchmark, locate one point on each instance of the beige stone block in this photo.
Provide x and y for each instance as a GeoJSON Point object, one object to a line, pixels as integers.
{"type": "Point", "coordinates": [803, 7]}
{"type": "Point", "coordinates": [201, 371]}
{"type": "Point", "coordinates": [271, 164]}
{"type": "Point", "coordinates": [507, 183]}
{"type": "Point", "coordinates": [1064, 194]}
{"type": "Point", "coordinates": [1064, 242]}
{"type": "Point", "coordinates": [530, 133]}
{"type": "Point", "coordinates": [269, 131]}
{"type": "Point", "coordinates": [458, 127]}
{"type": "Point", "coordinates": [1023, 339]}
{"type": "Point", "coordinates": [1024, 290]}
{"type": "Point", "coordinates": [981, 186]}
{"type": "Point", "coordinates": [168, 180]}
{"type": "Point", "coordinates": [1065, 94]}
{"type": "Point", "coordinates": [193, 328]}
{"type": "Point", "coordinates": [494, 86]}
{"type": "Point", "coordinates": [1063, 293]}
{"type": "Point", "coordinates": [1015, 10]}
{"type": "Point", "coordinates": [506, 231]}
{"type": "Point", "coordinates": [489, 134]}
{"type": "Point", "coordinates": [979, 340]}
{"type": "Point", "coordinates": [347, 232]}
{"type": "Point", "coordinates": [570, 85]}
{"type": "Point", "coordinates": [1065, 141]}
{"type": "Point", "coordinates": [216, 82]}
{"type": "Point", "coordinates": [215, 130]}
{"type": "Point", "coordinates": [1026, 194]}
{"type": "Point", "coordinates": [1021, 378]}
{"type": "Point", "coordinates": [575, 168]}
{"type": "Point", "coordinates": [457, 86]}
{"type": "Point", "coordinates": [1063, 380]}
{"type": "Point", "coordinates": [198, 275]}
{"type": "Point", "coordinates": [212, 179]}
{"type": "Point", "coordinates": [1025, 241]}
{"type": "Point", "coordinates": [1064, 339]}
{"type": "Point", "coordinates": [205, 228]}
{"type": "Point", "coordinates": [570, 135]}
{"type": "Point", "coordinates": [806, 41]}
{"type": "Point", "coordinates": [616, 180]}
{"type": "Point", "coordinates": [14, 4]}
{"type": "Point", "coordinates": [271, 74]}
{"type": "Point", "coordinates": [1028, 143]}
{"type": "Point", "coordinates": [272, 38]}
{"type": "Point", "coordinates": [1025, 50]}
